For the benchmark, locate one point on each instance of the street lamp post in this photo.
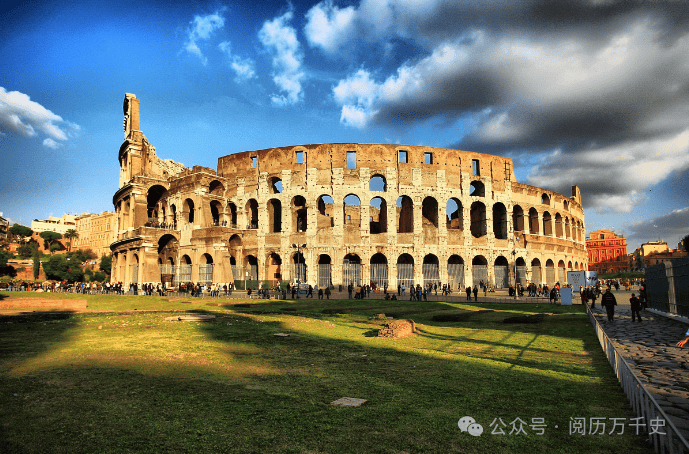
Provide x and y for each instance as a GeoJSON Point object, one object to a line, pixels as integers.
{"type": "Point", "coordinates": [299, 247]}
{"type": "Point", "coordinates": [514, 256]}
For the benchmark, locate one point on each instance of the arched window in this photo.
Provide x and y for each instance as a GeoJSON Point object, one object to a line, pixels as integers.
{"type": "Point", "coordinates": [352, 211]}
{"type": "Point", "coordinates": [478, 219]}
{"type": "Point", "coordinates": [455, 215]}
{"type": "Point", "coordinates": [429, 212]}
{"type": "Point", "coordinates": [500, 221]}
{"type": "Point", "coordinates": [274, 215]}
{"type": "Point", "coordinates": [477, 189]}
{"type": "Point", "coordinates": [405, 215]}
{"type": "Point", "coordinates": [299, 218]}
{"type": "Point", "coordinates": [378, 212]}
{"type": "Point", "coordinates": [518, 218]}
{"type": "Point", "coordinates": [378, 183]}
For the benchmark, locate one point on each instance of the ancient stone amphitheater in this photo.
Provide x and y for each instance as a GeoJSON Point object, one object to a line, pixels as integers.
{"type": "Point", "coordinates": [339, 213]}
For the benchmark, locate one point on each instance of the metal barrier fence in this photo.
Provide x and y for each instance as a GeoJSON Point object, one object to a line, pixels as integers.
{"type": "Point", "coordinates": [643, 404]}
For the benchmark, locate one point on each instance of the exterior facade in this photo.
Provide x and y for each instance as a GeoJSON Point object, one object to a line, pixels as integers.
{"type": "Point", "coordinates": [607, 252]}
{"type": "Point", "coordinates": [332, 214]}
{"type": "Point", "coordinates": [55, 224]}
{"type": "Point", "coordinates": [4, 227]}
{"type": "Point", "coordinates": [96, 232]}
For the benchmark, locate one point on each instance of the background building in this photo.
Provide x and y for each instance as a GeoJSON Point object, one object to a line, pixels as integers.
{"type": "Point", "coordinates": [335, 214]}
{"type": "Point", "coordinates": [96, 232]}
{"type": "Point", "coordinates": [4, 227]}
{"type": "Point", "coordinates": [607, 252]}
{"type": "Point", "coordinates": [55, 224]}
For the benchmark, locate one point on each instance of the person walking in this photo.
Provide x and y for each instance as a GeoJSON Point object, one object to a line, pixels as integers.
{"type": "Point", "coordinates": [475, 293]}
{"type": "Point", "coordinates": [609, 302]}
{"type": "Point", "coordinates": [636, 307]}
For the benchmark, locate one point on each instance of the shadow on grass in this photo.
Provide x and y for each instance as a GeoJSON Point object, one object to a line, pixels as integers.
{"type": "Point", "coordinates": [416, 394]}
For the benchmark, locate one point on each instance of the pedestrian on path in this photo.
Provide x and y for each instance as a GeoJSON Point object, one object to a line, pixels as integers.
{"type": "Point", "coordinates": [636, 307]}
{"type": "Point", "coordinates": [609, 302]}
{"type": "Point", "coordinates": [475, 293]}
{"type": "Point", "coordinates": [682, 343]}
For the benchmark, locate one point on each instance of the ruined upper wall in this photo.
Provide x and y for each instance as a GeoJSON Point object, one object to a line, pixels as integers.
{"type": "Point", "coordinates": [326, 159]}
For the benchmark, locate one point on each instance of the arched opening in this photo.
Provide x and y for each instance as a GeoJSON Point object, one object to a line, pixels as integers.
{"type": "Point", "coordinates": [521, 271]}
{"type": "Point", "coordinates": [206, 269]}
{"type": "Point", "coordinates": [274, 216]}
{"type": "Point", "coordinates": [273, 268]}
{"type": "Point", "coordinates": [431, 270]}
{"type": "Point", "coordinates": [558, 225]}
{"type": "Point", "coordinates": [378, 212]}
{"type": "Point", "coordinates": [545, 199]}
{"type": "Point", "coordinates": [299, 214]}
{"type": "Point", "coordinates": [251, 273]}
{"type": "Point", "coordinates": [274, 185]}
{"type": "Point", "coordinates": [536, 271]}
{"type": "Point", "coordinates": [352, 211]}
{"type": "Point", "coordinates": [173, 212]}
{"type": "Point", "coordinates": [405, 215]}
{"type": "Point", "coordinates": [479, 270]}
{"type": "Point", "coordinates": [216, 209]}
{"type": "Point", "coordinates": [134, 275]}
{"type": "Point", "coordinates": [235, 249]}
{"type": "Point", "coordinates": [252, 214]}
{"type": "Point", "coordinates": [561, 272]}
{"type": "Point", "coordinates": [455, 272]}
{"type": "Point", "coordinates": [324, 271]}
{"type": "Point", "coordinates": [477, 189]}
{"type": "Point", "coordinates": [378, 183]}
{"type": "Point", "coordinates": [216, 188]}
{"type": "Point", "coordinates": [547, 224]}
{"type": "Point", "coordinates": [405, 270]}
{"type": "Point", "coordinates": [325, 212]}
{"type": "Point", "coordinates": [455, 215]}
{"type": "Point", "coordinates": [565, 205]}
{"type": "Point", "coordinates": [351, 270]}
{"type": "Point", "coordinates": [550, 273]}
{"type": "Point", "coordinates": [155, 194]}
{"type": "Point", "coordinates": [183, 270]}
{"type": "Point", "coordinates": [533, 221]}
{"type": "Point", "coordinates": [298, 268]}
{"type": "Point", "coordinates": [429, 213]}
{"type": "Point", "coordinates": [233, 214]}
{"type": "Point", "coordinates": [189, 210]}
{"type": "Point", "coordinates": [500, 221]}
{"type": "Point", "coordinates": [378, 271]}
{"type": "Point", "coordinates": [501, 270]}
{"type": "Point", "coordinates": [478, 219]}
{"type": "Point", "coordinates": [168, 248]}
{"type": "Point", "coordinates": [518, 218]}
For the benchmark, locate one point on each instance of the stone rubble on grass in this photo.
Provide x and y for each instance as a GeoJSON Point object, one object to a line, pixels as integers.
{"type": "Point", "coordinates": [349, 402]}
{"type": "Point", "coordinates": [281, 335]}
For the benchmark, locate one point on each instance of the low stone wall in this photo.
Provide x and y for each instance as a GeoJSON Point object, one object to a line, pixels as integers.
{"type": "Point", "coordinates": [398, 328]}
{"type": "Point", "coordinates": [25, 303]}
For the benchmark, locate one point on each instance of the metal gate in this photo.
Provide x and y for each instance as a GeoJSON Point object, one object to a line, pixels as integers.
{"type": "Point", "coordinates": [550, 276]}
{"type": "Point", "coordinates": [206, 273]}
{"type": "Point", "coordinates": [351, 273]}
{"type": "Point", "coordinates": [521, 275]}
{"type": "Point", "coordinates": [135, 274]}
{"type": "Point", "coordinates": [455, 276]}
{"type": "Point", "coordinates": [502, 276]}
{"type": "Point", "coordinates": [479, 273]}
{"type": "Point", "coordinates": [182, 274]}
{"type": "Point", "coordinates": [431, 273]}
{"type": "Point", "coordinates": [379, 274]}
{"type": "Point", "coordinates": [324, 276]}
{"type": "Point", "coordinates": [405, 274]}
{"type": "Point", "coordinates": [536, 271]}
{"type": "Point", "coordinates": [237, 273]}
{"type": "Point", "coordinates": [297, 272]}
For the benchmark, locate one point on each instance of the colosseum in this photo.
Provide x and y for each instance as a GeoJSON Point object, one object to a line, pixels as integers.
{"type": "Point", "coordinates": [338, 213]}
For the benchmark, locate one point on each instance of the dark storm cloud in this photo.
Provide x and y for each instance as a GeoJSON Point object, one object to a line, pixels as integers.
{"type": "Point", "coordinates": [670, 227]}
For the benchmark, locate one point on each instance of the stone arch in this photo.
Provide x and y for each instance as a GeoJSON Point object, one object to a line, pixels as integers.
{"type": "Point", "coordinates": [378, 183]}
{"type": "Point", "coordinates": [173, 213]}
{"type": "Point", "coordinates": [216, 212]}
{"type": "Point", "coordinates": [547, 224]}
{"type": "Point", "coordinates": [565, 205]}
{"type": "Point", "coordinates": [378, 270]}
{"type": "Point", "coordinates": [352, 211]}
{"type": "Point", "coordinates": [536, 272]}
{"type": "Point", "coordinates": [168, 249]}
{"type": "Point", "coordinates": [559, 232]}
{"type": "Point", "coordinates": [378, 215]}
{"type": "Point", "coordinates": [326, 207]}
{"type": "Point", "coordinates": [477, 189]}
{"type": "Point", "coordinates": [429, 212]}
{"type": "Point", "coordinates": [324, 271]}
{"type": "Point", "coordinates": [455, 214]}
{"type": "Point", "coordinates": [405, 214]}
{"type": "Point", "coordinates": [351, 269]}
{"type": "Point", "coordinates": [501, 271]}
{"type": "Point", "coordinates": [545, 199]}
{"type": "Point", "coordinates": [273, 268]}
{"type": "Point", "coordinates": [251, 267]}
{"type": "Point", "coordinates": [479, 270]}
{"type": "Point", "coordinates": [520, 265]}
{"type": "Point", "coordinates": [299, 214]}
{"type": "Point", "coordinates": [188, 209]}
{"type": "Point", "coordinates": [216, 188]}
{"type": "Point", "coordinates": [274, 185]}
{"type": "Point", "coordinates": [455, 272]}
{"type": "Point", "coordinates": [500, 221]}
{"type": "Point", "coordinates": [430, 269]}
{"type": "Point", "coordinates": [478, 219]}
{"type": "Point", "coordinates": [134, 272]}
{"type": "Point", "coordinates": [518, 218]}
{"type": "Point", "coordinates": [561, 272]}
{"type": "Point", "coordinates": [274, 207]}
{"type": "Point", "coordinates": [186, 259]}
{"type": "Point", "coordinates": [533, 222]}
{"type": "Point", "coordinates": [550, 277]}
{"type": "Point", "coordinates": [251, 209]}
{"type": "Point", "coordinates": [405, 270]}
{"type": "Point", "coordinates": [233, 214]}
{"type": "Point", "coordinates": [154, 196]}
{"type": "Point", "coordinates": [568, 229]}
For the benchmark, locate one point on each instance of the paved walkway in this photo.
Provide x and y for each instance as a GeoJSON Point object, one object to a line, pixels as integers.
{"type": "Point", "coordinates": [650, 350]}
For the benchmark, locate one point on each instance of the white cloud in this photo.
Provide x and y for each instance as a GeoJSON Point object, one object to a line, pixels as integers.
{"type": "Point", "coordinates": [244, 68]}
{"type": "Point", "coordinates": [280, 39]}
{"type": "Point", "coordinates": [20, 115]}
{"type": "Point", "coordinates": [329, 26]}
{"type": "Point", "coordinates": [201, 29]}
{"type": "Point", "coordinates": [50, 143]}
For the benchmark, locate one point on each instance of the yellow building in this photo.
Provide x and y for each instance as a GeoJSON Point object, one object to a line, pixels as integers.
{"type": "Point", "coordinates": [96, 232]}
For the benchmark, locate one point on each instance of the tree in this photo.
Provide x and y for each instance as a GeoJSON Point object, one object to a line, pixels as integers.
{"type": "Point", "coordinates": [71, 235]}
{"type": "Point", "coordinates": [36, 263]}
{"type": "Point", "coordinates": [21, 231]}
{"type": "Point", "coordinates": [685, 243]}
{"type": "Point", "coordinates": [106, 264]}
{"type": "Point", "coordinates": [26, 250]}
{"type": "Point", "coordinates": [62, 268]}
{"type": "Point", "coordinates": [49, 238]}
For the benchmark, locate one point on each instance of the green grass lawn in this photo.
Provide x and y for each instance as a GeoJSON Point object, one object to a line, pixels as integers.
{"type": "Point", "coordinates": [129, 381]}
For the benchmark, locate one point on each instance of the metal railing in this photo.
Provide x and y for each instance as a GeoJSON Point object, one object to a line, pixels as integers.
{"type": "Point", "coordinates": [644, 405]}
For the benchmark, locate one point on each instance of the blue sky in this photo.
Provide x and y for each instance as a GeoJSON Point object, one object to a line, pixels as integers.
{"type": "Point", "coordinates": [588, 93]}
